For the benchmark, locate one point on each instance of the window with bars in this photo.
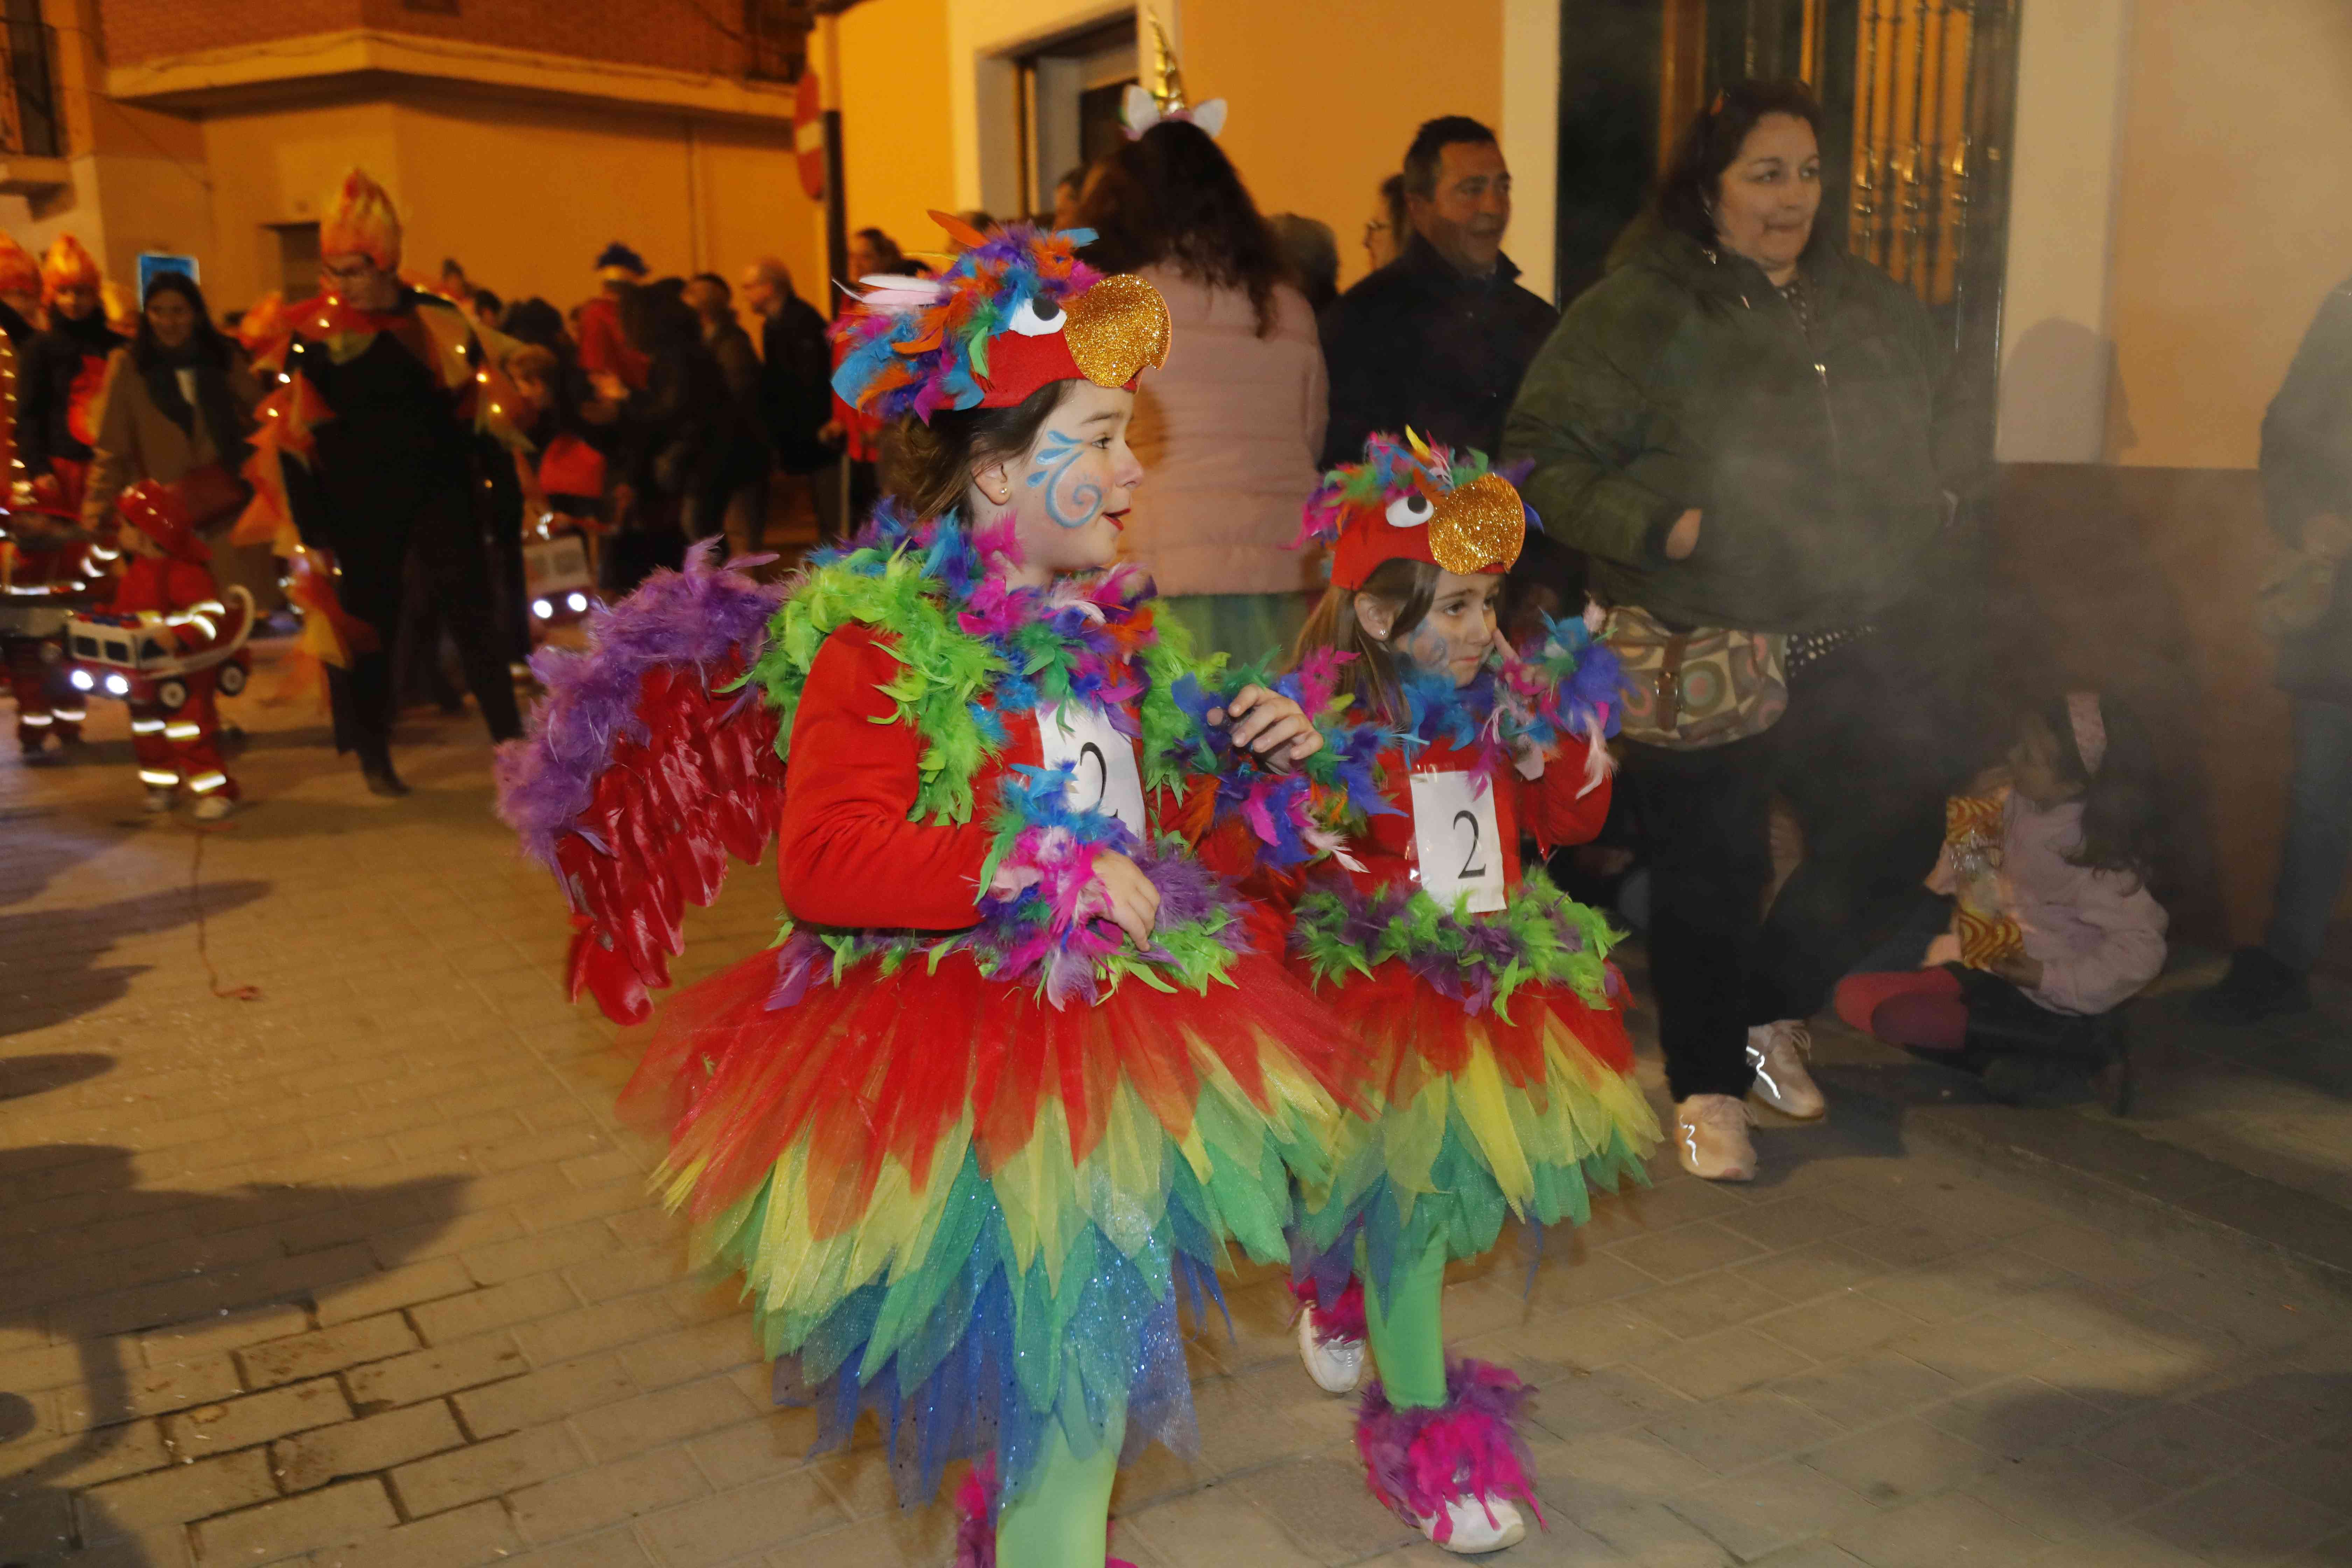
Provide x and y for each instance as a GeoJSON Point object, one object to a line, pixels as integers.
{"type": "Point", "coordinates": [777, 32]}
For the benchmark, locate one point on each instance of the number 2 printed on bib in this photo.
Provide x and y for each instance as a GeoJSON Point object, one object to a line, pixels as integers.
{"type": "Point", "coordinates": [1103, 774]}
{"type": "Point", "coordinates": [1454, 835]}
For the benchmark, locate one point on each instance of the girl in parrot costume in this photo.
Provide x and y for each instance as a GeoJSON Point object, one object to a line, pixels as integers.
{"type": "Point", "coordinates": [1011, 1079]}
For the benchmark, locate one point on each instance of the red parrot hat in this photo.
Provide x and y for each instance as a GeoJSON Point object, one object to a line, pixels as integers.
{"type": "Point", "coordinates": [1018, 310]}
{"type": "Point", "coordinates": [1408, 501]}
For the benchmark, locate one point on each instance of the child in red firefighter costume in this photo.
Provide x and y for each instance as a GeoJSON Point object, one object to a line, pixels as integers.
{"type": "Point", "coordinates": [174, 730]}
{"type": "Point", "coordinates": [1012, 1080]}
{"type": "Point", "coordinates": [57, 374]}
{"type": "Point", "coordinates": [1503, 1078]}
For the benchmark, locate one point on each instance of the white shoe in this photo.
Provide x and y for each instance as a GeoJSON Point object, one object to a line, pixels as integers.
{"type": "Point", "coordinates": [1711, 1138]}
{"type": "Point", "coordinates": [213, 807]}
{"type": "Point", "coordinates": [1336, 1365]}
{"type": "Point", "coordinates": [159, 799]}
{"type": "Point", "coordinates": [1777, 1053]}
{"type": "Point", "coordinates": [1479, 1526]}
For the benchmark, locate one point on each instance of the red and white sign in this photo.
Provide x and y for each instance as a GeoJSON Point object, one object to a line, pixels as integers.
{"type": "Point", "coordinates": [808, 135]}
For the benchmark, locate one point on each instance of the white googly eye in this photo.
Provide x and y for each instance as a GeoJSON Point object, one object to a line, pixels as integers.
{"type": "Point", "coordinates": [1037, 318]}
{"type": "Point", "coordinates": [1411, 510]}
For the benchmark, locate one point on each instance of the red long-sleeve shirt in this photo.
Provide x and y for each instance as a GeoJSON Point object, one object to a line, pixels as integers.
{"type": "Point", "coordinates": [158, 583]}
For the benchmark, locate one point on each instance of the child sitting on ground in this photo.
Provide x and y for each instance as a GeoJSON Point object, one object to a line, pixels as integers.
{"type": "Point", "coordinates": [2056, 921]}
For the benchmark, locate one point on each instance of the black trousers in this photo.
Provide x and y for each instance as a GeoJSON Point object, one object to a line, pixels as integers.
{"type": "Point", "coordinates": [1861, 759]}
{"type": "Point", "coordinates": [452, 563]}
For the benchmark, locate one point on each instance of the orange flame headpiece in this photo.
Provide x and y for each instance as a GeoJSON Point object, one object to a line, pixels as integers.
{"type": "Point", "coordinates": [360, 219]}
{"type": "Point", "coordinates": [68, 265]}
{"type": "Point", "coordinates": [19, 273]}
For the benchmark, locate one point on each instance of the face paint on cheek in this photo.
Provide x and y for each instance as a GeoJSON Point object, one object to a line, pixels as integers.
{"type": "Point", "coordinates": [1428, 647]}
{"type": "Point", "coordinates": [1073, 500]}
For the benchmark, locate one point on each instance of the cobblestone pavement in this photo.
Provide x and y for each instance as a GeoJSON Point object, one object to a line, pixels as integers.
{"type": "Point", "coordinates": [363, 1271]}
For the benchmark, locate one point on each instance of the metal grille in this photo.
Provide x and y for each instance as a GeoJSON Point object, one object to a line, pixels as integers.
{"type": "Point", "coordinates": [30, 124]}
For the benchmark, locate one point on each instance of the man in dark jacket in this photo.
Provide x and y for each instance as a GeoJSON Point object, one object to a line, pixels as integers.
{"type": "Point", "coordinates": [1439, 338]}
{"type": "Point", "coordinates": [795, 372]}
{"type": "Point", "coordinates": [2307, 497]}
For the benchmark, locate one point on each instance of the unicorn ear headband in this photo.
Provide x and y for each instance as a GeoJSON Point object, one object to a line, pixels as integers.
{"type": "Point", "coordinates": [1408, 501]}
{"type": "Point", "coordinates": [1141, 108]}
{"type": "Point", "coordinates": [1015, 312]}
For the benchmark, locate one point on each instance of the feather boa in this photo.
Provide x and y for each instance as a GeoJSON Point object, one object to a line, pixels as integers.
{"type": "Point", "coordinates": [1569, 683]}
{"type": "Point", "coordinates": [1417, 1460]}
{"type": "Point", "coordinates": [977, 648]}
{"type": "Point", "coordinates": [1542, 937]}
{"type": "Point", "coordinates": [1340, 1319]}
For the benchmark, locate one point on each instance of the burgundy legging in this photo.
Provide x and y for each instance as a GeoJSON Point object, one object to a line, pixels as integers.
{"type": "Point", "coordinates": [1919, 1008]}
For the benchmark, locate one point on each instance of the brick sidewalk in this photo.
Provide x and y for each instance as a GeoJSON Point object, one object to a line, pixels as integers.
{"type": "Point", "coordinates": [363, 1272]}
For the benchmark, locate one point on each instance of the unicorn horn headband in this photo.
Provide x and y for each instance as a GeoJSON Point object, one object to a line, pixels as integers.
{"type": "Point", "coordinates": [1141, 108]}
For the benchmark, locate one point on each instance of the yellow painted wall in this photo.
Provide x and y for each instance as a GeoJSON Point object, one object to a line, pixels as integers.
{"type": "Point", "coordinates": [2234, 218]}
{"type": "Point", "coordinates": [898, 135]}
{"type": "Point", "coordinates": [277, 166]}
{"type": "Point", "coordinates": [524, 194]}
{"type": "Point", "coordinates": [1325, 98]}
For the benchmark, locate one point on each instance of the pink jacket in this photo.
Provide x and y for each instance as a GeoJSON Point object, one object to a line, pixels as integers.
{"type": "Point", "coordinates": [2098, 935]}
{"type": "Point", "coordinates": [1228, 436]}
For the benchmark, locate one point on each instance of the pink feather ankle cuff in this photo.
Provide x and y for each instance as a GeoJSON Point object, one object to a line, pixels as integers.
{"type": "Point", "coordinates": [1342, 1320]}
{"type": "Point", "coordinates": [1417, 1460]}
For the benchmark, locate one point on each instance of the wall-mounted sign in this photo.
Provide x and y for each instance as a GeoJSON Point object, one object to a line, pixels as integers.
{"type": "Point", "coordinates": [153, 264]}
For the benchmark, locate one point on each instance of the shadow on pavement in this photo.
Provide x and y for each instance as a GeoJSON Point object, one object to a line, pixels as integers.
{"type": "Point", "coordinates": [53, 954]}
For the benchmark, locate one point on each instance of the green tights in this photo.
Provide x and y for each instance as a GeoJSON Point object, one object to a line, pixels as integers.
{"type": "Point", "coordinates": [1061, 1521]}
{"type": "Point", "coordinates": [1408, 1332]}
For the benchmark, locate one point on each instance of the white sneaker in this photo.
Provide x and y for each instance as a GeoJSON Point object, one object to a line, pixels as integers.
{"type": "Point", "coordinates": [1711, 1138]}
{"type": "Point", "coordinates": [1336, 1365]}
{"type": "Point", "coordinates": [159, 799]}
{"type": "Point", "coordinates": [1777, 1053]}
{"type": "Point", "coordinates": [1479, 1525]}
{"type": "Point", "coordinates": [213, 807]}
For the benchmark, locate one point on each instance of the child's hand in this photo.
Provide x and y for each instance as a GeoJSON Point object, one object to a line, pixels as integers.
{"type": "Point", "coordinates": [1271, 725]}
{"type": "Point", "coordinates": [2025, 974]}
{"type": "Point", "coordinates": [1126, 895]}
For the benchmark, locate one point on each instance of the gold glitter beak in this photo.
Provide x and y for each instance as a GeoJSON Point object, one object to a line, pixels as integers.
{"type": "Point", "coordinates": [1117, 328]}
{"type": "Point", "coordinates": [1480, 527]}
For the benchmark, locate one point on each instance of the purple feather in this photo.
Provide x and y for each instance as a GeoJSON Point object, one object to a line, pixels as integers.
{"type": "Point", "coordinates": [698, 617]}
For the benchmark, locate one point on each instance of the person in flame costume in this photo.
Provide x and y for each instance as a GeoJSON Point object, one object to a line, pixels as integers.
{"type": "Point", "coordinates": [1503, 1078]}
{"type": "Point", "coordinates": [61, 378]}
{"type": "Point", "coordinates": [367, 450]}
{"type": "Point", "coordinates": [1012, 1079]}
{"type": "Point", "coordinates": [169, 586]}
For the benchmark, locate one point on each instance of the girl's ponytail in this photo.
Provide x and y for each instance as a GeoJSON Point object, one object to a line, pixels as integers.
{"type": "Point", "coordinates": [2122, 792]}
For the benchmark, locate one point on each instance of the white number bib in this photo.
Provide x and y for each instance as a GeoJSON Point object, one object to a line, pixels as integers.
{"type": "Point", "coordinates": [1454, 834]}
{"type": "Point", "coordinates": [1103, 777]}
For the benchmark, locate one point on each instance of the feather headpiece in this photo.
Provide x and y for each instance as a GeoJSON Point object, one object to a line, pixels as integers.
{"type": "Point", "coordinates": [68, 265]}
{"type": "Point", "coordinates": [1015, 312]}
{"type": "Point", "coordinates": [1409, 501]}
{"type": "Point", "coordinates": [19, 273]}
{"type": "Point", "coordinates": [359, 220]}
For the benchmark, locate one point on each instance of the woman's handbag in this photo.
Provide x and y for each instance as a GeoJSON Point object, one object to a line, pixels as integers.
{"type": "Point", "coordinates": [1689, 690]}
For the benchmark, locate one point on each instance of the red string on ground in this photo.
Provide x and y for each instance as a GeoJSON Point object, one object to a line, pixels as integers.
{"type": "Point", "coordinates": [196, 898]}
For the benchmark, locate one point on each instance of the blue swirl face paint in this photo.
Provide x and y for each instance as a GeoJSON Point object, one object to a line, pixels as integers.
{"type": "Point", "coordinates": [1072, 500]}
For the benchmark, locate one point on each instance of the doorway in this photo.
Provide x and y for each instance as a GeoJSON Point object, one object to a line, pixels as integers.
{"type": "Point", "coordinates": [296, 249]}
{"type": "Point", "coordinates": [1069, 91]}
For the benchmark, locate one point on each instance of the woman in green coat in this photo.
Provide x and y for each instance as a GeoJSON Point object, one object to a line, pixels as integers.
{"type": "Point", "coordinates": [1745, 428]}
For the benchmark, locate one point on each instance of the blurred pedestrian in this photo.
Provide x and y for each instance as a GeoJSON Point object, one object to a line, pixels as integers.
{"type": "Point", "coordinates": [736, 501]}
{"type": "Point", "coordinates": [1386, 229]}
{"type": "Point", "coordinates": [1228, 433]}
{"type": "Point", "coordinates": [1437, 340]}
{"type": "Point", "coordinates": [1752, 434]}
{"type": "Point", "coordinates": [795, 391]}
{"type": "Point", "coordinates": [2306, 465]}
{"type": "Point", "coordinates": [673, 436]}
{"type": "Point", "coordinates": [62, 371]}
{"type": "Point", "coordinates": [1310, 254]}
{"type": "Point", "coordinates": [1068, 192]}
{"type": "Point", "coordinates": [605, 350]}
{"type": "Point", "coordinates": [178, 409]}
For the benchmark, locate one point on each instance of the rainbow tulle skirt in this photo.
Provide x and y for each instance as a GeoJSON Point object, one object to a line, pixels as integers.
{"type": "Point", "coordinates": [1472, 1117]}
{"type": "Point", "coordinates": [975, 1213]}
